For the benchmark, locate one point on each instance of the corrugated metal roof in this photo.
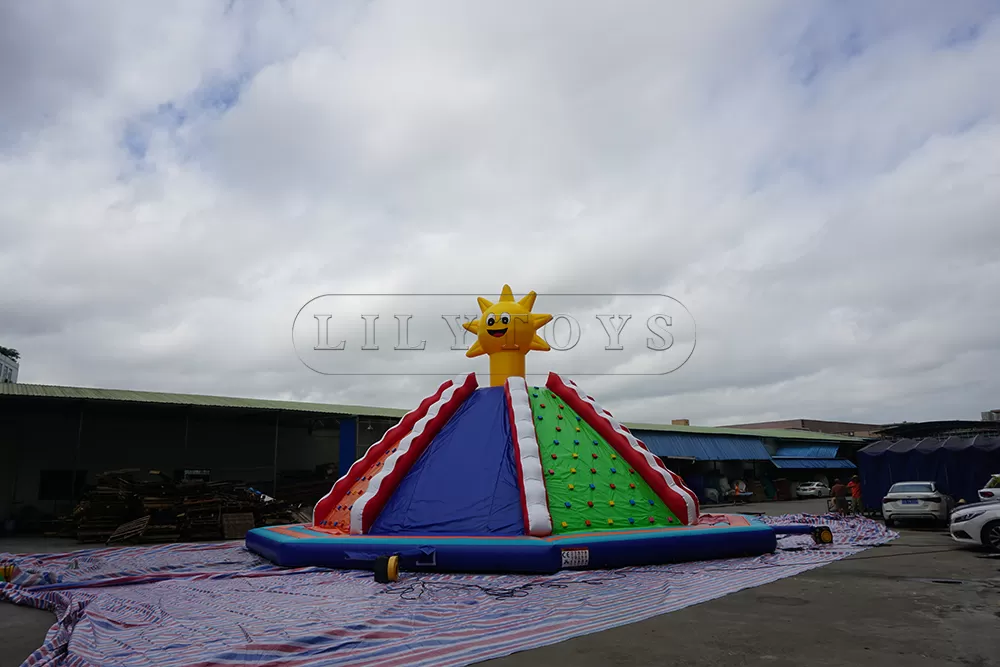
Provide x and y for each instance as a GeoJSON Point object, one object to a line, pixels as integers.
{"type": "Point", "coordinates": [807, 451]}
{"type": "Point", "coordinates": [703, 447]}
{"type": "Point", "coordinates": [777, 433]}
{"type": "Point", "coordinates": [130, 396]}
{"type": "Point", "coordinates": [801, 464]}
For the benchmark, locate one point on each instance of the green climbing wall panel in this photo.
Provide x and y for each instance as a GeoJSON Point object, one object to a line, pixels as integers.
{"type": "Point", "coordinates": [585, 478]}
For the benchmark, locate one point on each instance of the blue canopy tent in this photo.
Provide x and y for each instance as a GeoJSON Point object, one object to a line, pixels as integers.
{"type": "Point", "coordinates": [960, 466]}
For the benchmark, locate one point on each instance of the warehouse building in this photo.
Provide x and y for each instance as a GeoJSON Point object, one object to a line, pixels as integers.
{"type": "Point", "coordinates": [57, 440]}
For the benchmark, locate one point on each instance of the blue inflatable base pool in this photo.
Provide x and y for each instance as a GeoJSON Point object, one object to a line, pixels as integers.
{"type": "Point", "coordinates": [727, 536]}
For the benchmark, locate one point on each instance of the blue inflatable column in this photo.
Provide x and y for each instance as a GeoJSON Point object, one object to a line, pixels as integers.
{"type": "Point", "coordinates": [348, 443]}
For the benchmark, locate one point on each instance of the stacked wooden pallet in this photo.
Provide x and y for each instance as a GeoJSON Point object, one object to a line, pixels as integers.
{"type": "Point", "coordinates": [135, 506]}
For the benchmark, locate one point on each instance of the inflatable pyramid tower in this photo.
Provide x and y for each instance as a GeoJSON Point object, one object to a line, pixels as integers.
{"type": "Point", "coordinates": [506, 460]}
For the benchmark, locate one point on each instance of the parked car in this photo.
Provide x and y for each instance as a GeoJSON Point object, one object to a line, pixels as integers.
{"type": "Point", "coordinates": [916, 500]}
{"type": "Point", "coordinates": [992, 489]}
{"type": "Point", "coordinates": [812, 490]}
{"type": "Point", "coordinates": [977, 524]}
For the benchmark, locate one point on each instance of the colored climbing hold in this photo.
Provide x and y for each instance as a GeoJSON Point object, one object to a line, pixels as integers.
{"type": "Point", "coordinates": [555, 442]}
{"type": "Point", "coordinates": [631, 486]}
{"type": "Point", "coordinates": [570, 487]}
{"type": "Point", "coordinates": [613, 470]}
{"type": "Point", "coordinates": [378, 463]}
{"type": "Point", "coordinates": [334, 523]}
{"type": "Point", "coordinates": [613, 457]}
{"type": "Point", "coordinates": [631, 520]}
{"type": "Point", "coordinates": [558, 428]}
{"type": "Point", "coordinates": [575, 455]}
{"type": "Point", "coordinates": [558, 416]}
{"type": "Point", "coordinates": [590, 503]}
{"type": "Point", "coordinates": [561, 406]}
{"type": "Point", "coordinates": [594, 455]}
{"type": "Point", "coordinates": [551, 471]}
{"type": "Point", "coordinates": [362, 479]}
{"type": "Point", "coordinates": [611, 522]}
{"type": "Point", "coordinates": [577, 429]}
{"type": "Point", "coordinates": [650, 502]}
{"type": "Point", "coordinates": [568, 504]}
{"type": "Point", "coordinates": [592, 486]}
{"type": "Point", "coordinates": [539, 418]}
{"type": "Point", "coordinates": [573, 470]}
{"type": "Point", "coordinates": [593, 471]}
{"type": "Point", "coordinates": [612, 485]}
{"type": "Point", "coordinates": [542, 405]}
{"type": "Point", "coordinates": [611, 503]}
{"type": "Point", "coordinates": [576, 442]}
{"type": "Point", "coordinates": [651, 519]}
{"type": "Point", "coordinates": [339, 507]}
{"type": "Point", "coordinates": [631, 470]}
{"type": "Point", "coordinates": [587, 522]}
{"type": "Point", "coordinates": [554, 456]}
{"type": "Point", "coordinates": [578, 418]}
{"type": "Point", "coordinates": [595, 442]}
{"type": "Point", "coordinates": [564, 524]}
{"type": "Point", "coordinates": [631, 501]}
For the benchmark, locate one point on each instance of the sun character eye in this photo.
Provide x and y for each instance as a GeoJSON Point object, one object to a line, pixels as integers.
{"type": "Point", "coordinates": [505, 318]}
{"type": "Point", "coordinates": [491, 319]}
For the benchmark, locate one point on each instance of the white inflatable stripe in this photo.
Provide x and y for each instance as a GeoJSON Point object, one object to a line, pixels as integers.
{"type": "Point", "coordinates": [357, 466]}
{"type": "Point", "coordinates": [532, 475]}
{"type": "Point", "coordinates": [401, 448]}
{"type": "Point", "coordinates": [692, 512]}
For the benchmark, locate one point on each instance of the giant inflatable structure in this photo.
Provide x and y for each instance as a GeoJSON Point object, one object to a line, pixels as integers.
{"type": "Point", "coordinates": [509, 478]}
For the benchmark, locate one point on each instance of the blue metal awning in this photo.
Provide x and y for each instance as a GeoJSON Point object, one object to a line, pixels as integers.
{"type": "Point", "coordinates": [703, 447]}
{"type": "Point", "coordinates": [793, 463]}
{"type": "Point", "coordinates": [807, 451]}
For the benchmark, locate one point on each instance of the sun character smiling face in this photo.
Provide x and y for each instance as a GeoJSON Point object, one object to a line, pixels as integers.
{"type": "Point", "coordinates": [507, 330]}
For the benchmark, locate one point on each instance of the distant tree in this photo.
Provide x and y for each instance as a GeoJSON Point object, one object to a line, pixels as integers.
{"type": "Point", "coordinates": [10, 352]}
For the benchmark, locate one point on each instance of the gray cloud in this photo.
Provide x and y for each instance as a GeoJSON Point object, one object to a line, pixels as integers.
{"type": "Point", "coordinates": [816, 183]}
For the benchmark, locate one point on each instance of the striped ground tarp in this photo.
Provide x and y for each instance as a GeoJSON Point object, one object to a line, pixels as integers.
{"type": "Point", "coordinates": [217, 604]}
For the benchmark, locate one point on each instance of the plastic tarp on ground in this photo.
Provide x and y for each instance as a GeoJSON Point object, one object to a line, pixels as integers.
{"type": "Point", "coordinates": [465, 483]}
{"type": "Point", "coordinates": [186, 605]}
{"type": "Point", "coordinates": [959, 466]}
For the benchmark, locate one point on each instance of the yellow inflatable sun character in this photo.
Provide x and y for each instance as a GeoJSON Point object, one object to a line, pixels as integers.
{"type": "Point", "coordinates": [507, 331]}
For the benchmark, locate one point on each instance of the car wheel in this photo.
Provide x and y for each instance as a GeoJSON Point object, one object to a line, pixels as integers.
{"type": "Point", "coordinates": [991, 536]}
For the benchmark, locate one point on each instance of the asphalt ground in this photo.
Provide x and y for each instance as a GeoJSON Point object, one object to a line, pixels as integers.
{"type": "Point", "coordinates": [921, 600]}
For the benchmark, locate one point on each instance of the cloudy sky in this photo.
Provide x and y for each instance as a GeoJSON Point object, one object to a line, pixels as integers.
{"type": "Point", "coordinates": [817, 183]}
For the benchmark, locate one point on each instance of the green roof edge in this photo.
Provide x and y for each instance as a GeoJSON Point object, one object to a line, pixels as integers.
{"type": "Point", "coordinates": [203, 400]}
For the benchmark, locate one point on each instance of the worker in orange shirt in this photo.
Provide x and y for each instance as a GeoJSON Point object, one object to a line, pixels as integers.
{"type": "Point", "coordinates": [855, 486]}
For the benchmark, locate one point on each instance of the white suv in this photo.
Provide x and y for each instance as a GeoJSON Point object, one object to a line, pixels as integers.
{"type": "Point", "coordinates": [916, 500]}
{"type": "Point", "coordinates": [977, 524]}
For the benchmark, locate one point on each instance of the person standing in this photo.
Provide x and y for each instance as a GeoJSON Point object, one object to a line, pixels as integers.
{"type": "Point", "coordinates": [855, 486]}
{"type": "Point", "coordinates": [839, 492]}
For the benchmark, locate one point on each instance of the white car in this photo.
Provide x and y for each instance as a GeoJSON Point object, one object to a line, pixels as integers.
{"type": "Point", "coordinates": [916, 500]}
{"type": "Point", "coordinates": [992, 489]}
{"type": "Point", "coordinates": [812, 490]}
{"type": "Point", "coordinates": [977, 524]}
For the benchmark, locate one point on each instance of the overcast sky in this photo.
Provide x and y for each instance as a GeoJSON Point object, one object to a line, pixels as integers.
{"type": "Point", "coordinates": [818, 183]}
